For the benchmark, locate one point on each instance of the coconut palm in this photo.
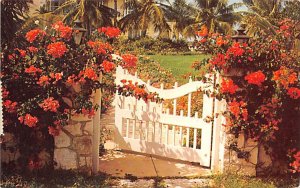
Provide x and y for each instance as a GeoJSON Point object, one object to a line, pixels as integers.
{"type": "Point", "coordinates": [217, 15]}
{"type": "Point", "coordinates": [262, 16]}
{"type": "Point", "coordinates": [91, 12]}
{"type": "Point", "coordinates": [179, 12]}
{"type": "Point", "coordinates": [143, 14]}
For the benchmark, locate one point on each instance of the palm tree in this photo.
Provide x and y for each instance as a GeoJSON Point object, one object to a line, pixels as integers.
{"type": "Point", "coordinates": [217, 15]}
{"type": "Point", "coordinates": [143, 14]}
{"type": "Point", "coordinates": [91, 12]}
{"type": "Point", "coordinates": [13, 15]}
{"type": "Point", "coordinates": [180, 13]}
{"type": "Point", "coordinates": [262, 16]}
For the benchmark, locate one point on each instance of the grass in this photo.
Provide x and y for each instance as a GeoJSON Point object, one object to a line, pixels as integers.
{"type": "Point", "coordinates": [179, 65]}
{"type": "Point", "coordinates": [68, 178]}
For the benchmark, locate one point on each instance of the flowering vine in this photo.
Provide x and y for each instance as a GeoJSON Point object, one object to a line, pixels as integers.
{"type": "Point", "coordinates": [261, 86]}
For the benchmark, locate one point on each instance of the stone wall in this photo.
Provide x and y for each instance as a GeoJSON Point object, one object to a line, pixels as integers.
{"type": "Point", "coordinates": [73, 146]}
{"type": "Point", "coordinates": [236, 164]}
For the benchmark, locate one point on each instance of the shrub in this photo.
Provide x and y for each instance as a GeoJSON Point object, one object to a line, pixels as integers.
{"type": "Point", "coordinates": [261, 86]}
{"type": "Point", "coordinates": [150, 46]}
{"type": "Point", "coordinates": [48, 80]}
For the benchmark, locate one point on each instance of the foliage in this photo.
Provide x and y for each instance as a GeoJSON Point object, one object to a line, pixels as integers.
{"type": "Point", "coordinates": [92, 13]}
{"type": "Point", "coordinates": [217, 15]}
{"type": "Point", "coordinates": [142, 14]}
{"type": "Point", "coordinates": [148, 69]}
{"type": "Point", "coordinates": [13, 14]}
{"type": "Point", "coordinates": [57, 178]}
{"type": "Point", "coordinates": [233, 180]}
{"type": "Point", "coordinates": [149, 45]}
{"type": "Point", "coordinates": [262, 16]}
{"type": "Point", "coordinates": [291, 10]}
{"type": "Point", "coordinates": [54, 79]}
{"type": "Point", "coordinates": [261, 86]}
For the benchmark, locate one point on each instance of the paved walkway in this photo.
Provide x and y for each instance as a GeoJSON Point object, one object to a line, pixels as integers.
{"type": "Point", "coordinates": [124, 164]}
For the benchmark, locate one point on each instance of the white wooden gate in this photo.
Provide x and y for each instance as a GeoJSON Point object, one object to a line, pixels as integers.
{"type": "Point", "coordinates": [148, 128]}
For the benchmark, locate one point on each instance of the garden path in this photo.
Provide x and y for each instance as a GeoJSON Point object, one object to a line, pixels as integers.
{"type": "Point", "coordinates": [119, 163]}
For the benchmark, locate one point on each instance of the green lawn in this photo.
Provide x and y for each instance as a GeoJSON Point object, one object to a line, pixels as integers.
{"type": "Point", "coordinates": [178, 64]}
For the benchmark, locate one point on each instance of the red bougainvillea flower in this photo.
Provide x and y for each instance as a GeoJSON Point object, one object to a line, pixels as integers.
{"type": "Point", "coordinates": [110, 32]}
{"type": "Point", "coordinates": [43, 80]}
{"type": "Point", "coordinates": [108, 66]}
{"type": "Point", "coordinates": [57, 49]}
{"type": "Point", "coordinates": [90, 113]}
{"type": "Point", "coordinates": [33, 70]}
{"type": "Point", "coordinates": [130, 60]}
{"type": "Point", "coordinates": [100, 47]}
{"type": "Point", "coordinates": [54, 131]}
{"type": "Point", "coordinates": [255, 78]}
{"type": "Point", "coordinates": [238, 109]}
{"type": "Point", "coordinates": [139, 91]}
{"type": "Point", "coordinates": [203, 31]}
{"type": "Point", "coordinates": [56, 76]}
{"type": "Point", "coordinates": [296, 163]}
{"type": "Point", "coordinates": [285, 77]}
{"type": "Point", "coordinates": [123, 81]}
{"type": "Point", "coordinates": [33, 34]}
{"type": "Point", "coordinates": [220, 41]}
{"type": "Point", "coordinates": [90, 73]}
{"type": "Point", "coordinates": [218, 60]}
{"type": "Point", "coordinates": [22, 52]}
{"type": "Point", "coordinates": [234, 108]}
{"type": "Point", "coordinates": [227, 86]}
{"type": "Point", "coordinates": [32, 49]}
{"type": "Point", "coordinates": [294, 92]}
{"type": "Point", "coordinates": [50, 104]}
{"type": "Point", "coordinates": [10, 107]}
{"type": "Point", "coordinates": [29, 120]}
{"type": "Point", "coordinates": [63, 31]}
{"type": "Point", "coordinates": [236, 49]}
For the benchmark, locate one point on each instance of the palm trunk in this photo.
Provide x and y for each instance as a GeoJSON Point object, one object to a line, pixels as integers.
{"type": "Point", "coordinates": [116, 9]}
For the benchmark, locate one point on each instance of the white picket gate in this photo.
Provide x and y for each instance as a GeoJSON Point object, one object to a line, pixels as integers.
{"type": "Point", "coordinates": [148, 128]}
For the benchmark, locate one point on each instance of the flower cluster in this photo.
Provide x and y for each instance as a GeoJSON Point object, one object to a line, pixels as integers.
{"type": "Point", "coordinates": [10, 107]}
{"type": "Point", "coordinates": [57, 49]}
{"type": "Point", "coordinates": [136, 90]}
{"type": "Point", "coordinates": [110, 32]}
{"type": "Point", "coordinates": [50, 104]}
{"type": "Point", "coordinates": [99, 47]}
{"type": "Point", "coordinates": [129, 60]}
{"type": "Point", "coordinates": [285, 77]}
{"type": "Point", "coordinates": [256, 78]}
{"type": "Point", "coordinates": [29, 120]}
{"type": "Point", "coordinates": [227, 86]}
{"type": "Point", "coordinates": [267, 113]}
{"type": "Point", "coordinates": [108, 66]}
{"type": "Point", "coordinates": [238, 109]}
{"type": "Point", "coordinates": [62, 30]}
{"type": "Point", "coordinates": [32, 35]}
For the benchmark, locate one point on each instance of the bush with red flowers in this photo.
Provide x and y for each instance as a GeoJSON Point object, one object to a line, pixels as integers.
{"type": "Point", "coordinates": [261, 86]}
{"type": "Point", "coordinates": [50, 79]}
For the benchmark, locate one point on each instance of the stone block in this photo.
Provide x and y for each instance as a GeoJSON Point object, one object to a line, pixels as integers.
{"type": "Point", "coordinates": [82, 162]}
{"type": "Point", "coordinates": [62, 140]}
{"type": "Point", "coordinates": [65, 159]}
{"type": "Point", "coordinates": [80, 118]}
{"type": "Point", "coordinates": [88, 128]}
{"type": "Point", "coordinates": [74, 129]}
{"type": "Point", "coordinates": [83, 145]}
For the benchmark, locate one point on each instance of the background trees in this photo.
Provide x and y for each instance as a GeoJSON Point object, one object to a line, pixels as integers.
{"type": "Point", "coordinates": [13, 15]}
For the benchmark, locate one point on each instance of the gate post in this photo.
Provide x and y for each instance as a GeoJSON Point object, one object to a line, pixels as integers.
{"type": "Point", "coordinates": [224, 159]}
